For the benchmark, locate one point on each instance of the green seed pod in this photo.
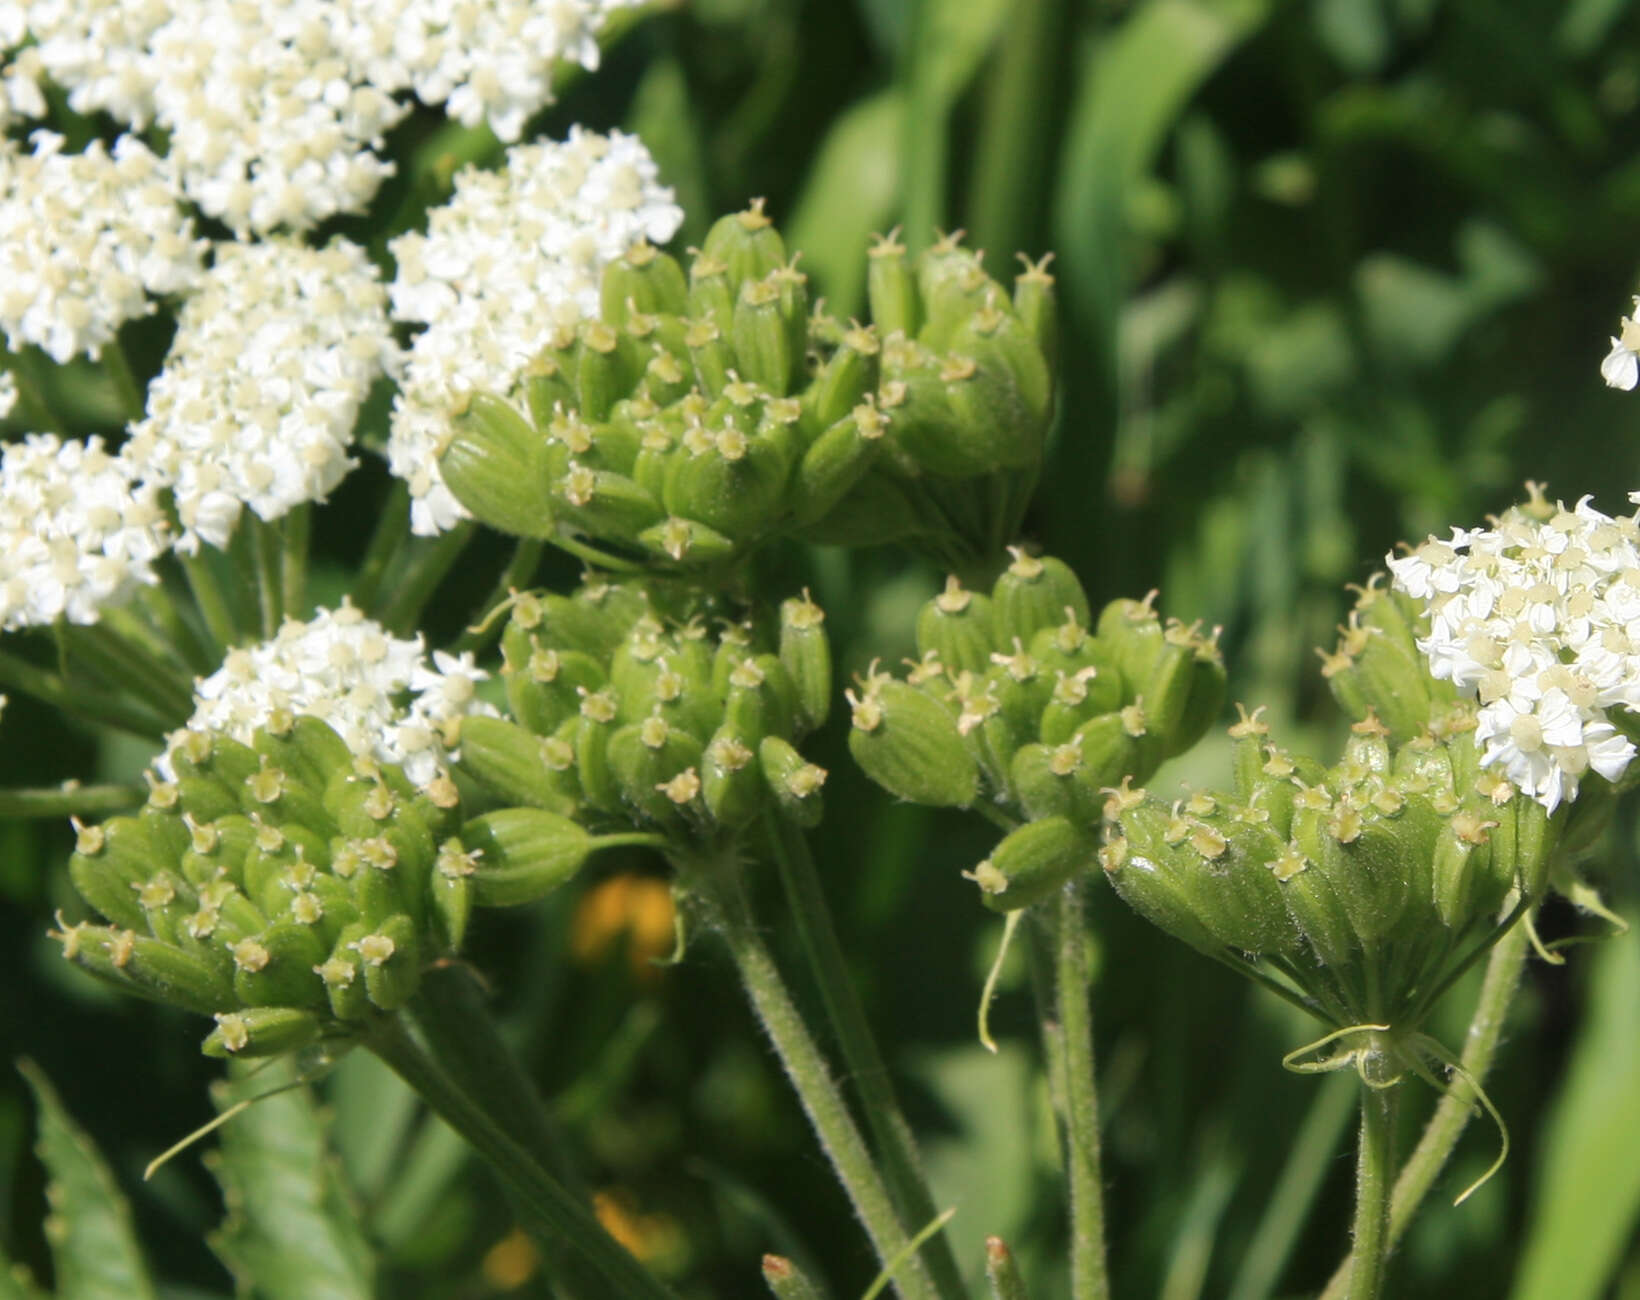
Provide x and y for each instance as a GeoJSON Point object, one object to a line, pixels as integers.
{"type": "Point", "coordinates": [1151, 887]}
{"type": "Point", "coordinates": [226, 916]}
{"type": "Point", "coordinates": [793, 781]}
{"type": "Point", "coordinates": [306, 747]}
{"type": "Point", "coordinates": [1369, 672]}
{"type": "Point", "coordinates": [608, 367]}
{"type": "Point", "coordinates": [109, 886]}
{"type": "Point", "coordinates": [1369, 862]}
{"type": "Point", "coordinates": [710, 355]}
{"type": "Point", "coordinates": [391, 958]}
{"type": "Point", "coordinates": [1166, 691]}
{"type": "Point", "coordinates": [451, 892]}
{"type": "Point", "coordinates": [891, 288]}
{"type": "Point", "coordinates": [1034, 593]}
{"type": "Point", "coordinates": [952, 285]}
{"type": "Point", "coordinates": [1038, 309]}
{"type": "Point", "coordinates": [645, 758]}
{"type": "Point", "coordinates": [523, 854]}
{"type": "Point", "coordinates": [1039, 779]}
{"type": "Point", "coordinates": [1459, 868]}
{"type": "Point", "coordinates": [1033, 862]}
{"type": "Point", "coordinates": [167, 901]}
{"type": "Point", "coordinates": [686, 541]}
{"type": "Point", "coordinates": [767, 351]}
{"type": "Point", "coordinates": [1313, 903]}
{"type": "Point", "coordinates": [275, 968]}
{"type": "Point", "coordinates": [805, 652]}
{"type": "Point", "coordinates": [334, 902]}
{"type": "Point", "coordinates": [847, 377]}
{"type": "Point", "coordinates": [736, 485]}
{"type": "Point", "coordinates": [206, 799]}
{"type": "Point", "coordinates": [508, 760]}
{"type": "Point", "coordinates": [548, 388]}
{"type": "Point", "coordinates": [151, 968]}
{"type": "Point", "coordinates": [547, 684]}
{"type": "Point", "coordinates": [342, 974]}
{"type": "Point", "coordinates": [711, 296]}
{"type": "Point", "coordinates": [908, 743]}
{"type": "Point", "coordinates": [1075, 699]}
{"type": "Point", "coordinates": [217, 849]}
{"type": "Point", "coordinates": [1017, 381]}
{"type": "Point", "coordinates": [747, 245]}
{"type": "Point", "coordinates": [872, 511]}
{"type": "Point", "coordinates": [261, 1032]}
{"type": "Point", "coordinates": [275, 859]}
{"type": "Point", "coordinates": [956, 627]}
{"type": "Point", "coordinates": [836, 461]}
{"type": "Point", "coordinates": [497, 465]}
{"type": "Point", "coordinates": [917, 389]}
{"type": "Point", "coordinates": [604, 504]}
{"type": "Point", "coordinates": [760, 699]}
{"type": "Point", "coordinates": [1523, 845]}
{"type": "Point", "coordinates": [216, 757]}
{"type": "Point", "coordinates": [591, 744]}
{"type": "Point", "coordinates": [667, 377]}
{"type": "Point", "coordinates": [730, 778]}
{"type": "Point", "coordinates": [1132, 632]}
{"type": "Point", "coordinates": [1205, 703]}
{"type": "Point", "coordinates": [645, 280]}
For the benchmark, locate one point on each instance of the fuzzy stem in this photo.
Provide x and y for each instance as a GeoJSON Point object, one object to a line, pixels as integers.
{"type": "Point", "coordinates": [71, 800]}
{"type": "Point", "coordinates": [1452, 1112]}
{"type": "Point", "coordinates": [1374, 1179]}
{"type": "Point", "coordinates": [392, 534]}
{"type": "Point", "coordinates": [1080, 1110]}
{"type": "Point", "coordinates": [422, 576]}
{"type": "Point", "coordinates": [720, 894]}
{"type": "Point", "coordinates": [862, 1061]}
{"type": "Point", "coordinates": [549, 1209]}
{"type": "Point", "coordinates": [212, 601]}
{"type": "Point", "coordinates": [295, 536]}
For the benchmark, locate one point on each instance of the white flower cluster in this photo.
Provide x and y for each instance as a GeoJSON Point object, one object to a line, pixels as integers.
{"type": "Point", "coordinates": [512, 261]}
{"type": "Point", "coordinates": [77, 532]}
{"type": "Point", "coordinates": [377, 691]}
{"type": "Point", "coordinates": [259, 395]}
{"type": "Point", "coordinates": [8, 393]}
{"type": "Point", "coordinates": [1621, 368]}
{"type": "Point", "coordinates": [276, 108]}
{"type": "Point", "coordinates": [1539, 618]}
{"type": "Point", "coordinates": [85, 240]}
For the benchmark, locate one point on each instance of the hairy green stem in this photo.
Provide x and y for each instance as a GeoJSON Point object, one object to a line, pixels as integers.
{"type": "Point", "coordinates": [549, 1209]}
{"type": "Point", "coordinates": [717, 889]}
{"type": "Point", "coordinates": [863, 1062]}
{"type": "Point", "coordinates": [1080, 1110]}
{"type": "Point", "coordinates": [71, 800]}
{"type": "Point", "coordinates": [1440, 1135]}
{"type": "Point", "coordinates": [422, 576]}
{"type": "Point", "coordinates": [1374, 1180]}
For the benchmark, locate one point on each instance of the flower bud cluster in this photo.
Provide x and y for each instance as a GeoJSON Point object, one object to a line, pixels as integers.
{"type": "Point", "coordinates": [1020, 699]}
{"type": "Point", "coordinates": [1363, 883]}
{"type": "Point", "coordinates": [628, 710]}
{"type": "Point", "coordinates": [1537, 618]}
{"type": "Point", "coordinates": [287, 887]}
{"type": "Point", "coordinates": [707, 410]}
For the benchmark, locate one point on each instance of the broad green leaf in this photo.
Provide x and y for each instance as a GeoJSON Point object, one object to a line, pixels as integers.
{"type": "Point", "coordinates": [1587, 1203]}
{"type": "Point", "coordinates": [292, 1229]}
{"type": "Point", "coordinates": [93, 1244]}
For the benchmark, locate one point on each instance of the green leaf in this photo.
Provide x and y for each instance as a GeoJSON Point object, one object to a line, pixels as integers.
{"type": "Point", "coordinates": [292, 1229]}
{"type": "Point", "coordinates": [89, 1227]}
{"type": "Point", "coordinates": [1588, 1190]}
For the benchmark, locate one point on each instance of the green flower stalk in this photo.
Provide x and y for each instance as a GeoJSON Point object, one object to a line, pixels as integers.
{"type": "Point", "coordinates": [708, 410]}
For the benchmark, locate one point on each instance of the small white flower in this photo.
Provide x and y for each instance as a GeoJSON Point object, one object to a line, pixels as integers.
{"type": "Point", "coordinates": [1620, 369]}
{"type": "Point", "coordinates": [377, 691]}
{"type": "Point", "coordinates": [8, 393]}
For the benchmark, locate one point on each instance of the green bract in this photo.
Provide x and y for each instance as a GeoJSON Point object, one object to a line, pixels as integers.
{"type": "Point", "coordinates": [286, 887]}
{"type": "Point", "coordinates": [708, 410]}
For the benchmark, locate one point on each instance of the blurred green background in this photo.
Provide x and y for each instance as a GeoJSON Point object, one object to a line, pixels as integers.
{"type": "Point", "coordinates": [1333, 274]}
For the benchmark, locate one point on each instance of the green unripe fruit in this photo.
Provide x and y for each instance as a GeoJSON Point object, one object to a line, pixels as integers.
{"type": "Point", "coordinates": [499, 468]}
{"type": "Point", "coordinates": [603, 503]}
{"type": "Point", "coordinates": [836, 461]}
{"type": "Point", "coordinates": [805, 653]}
{"type": "Point", "coordinates": [1463, 886]}
{"type": "Point", "coordinates": [710, 354]}
{"type": "Point", "coordinates": [260, 1032]}
{"type": "Point", "coordinates": [711, 296]}
{"type": "Point", "coordinates": [509, 760]}
{"type": "Point", "coordinates": [646, 759]}
{"type": "Point", "coordinates": [952, 285]}
{"type": "Point", "coordinates": [767, 330]}
{"type": "Point", "coordinates": [1313, 903]}
{"type": "Point", "coordinates": [275, 968]}
{"type": "Point", "coordinates": [746, 244]}
{"type": "Point", "coordinates": [522, 854]}
{"type": "Point", "coordinates": [793, 781]}
{"type": "Point", "coordinates": [645, 280]}
{"type": "Point", "coordinates": [1033, 862]}
{"type": "Point", "coordinates": [686, 541]}
{"type": "Point", "coordinates": [735, 485]}
{"type": "Point", "coordinates": [608, 365]}
{"type": "Point", "coordinates": [955, 626]}
{"type": "Point", "coordinates": [731, 780]}
{"type": "Point", "coordinates": [1037, 308]}
{"type": "Point", "coordinates": [342, 974]}
{"type": "Point", "coordinates": [1034, 593]}
{"type": "Point", "coordinates": [908, 743]}
{"type": "Point", "coordinates": [391, 958]}
{"type": "Point", "coordinates": [451, 893]}
{"type": "Point", "coordinates": [1132, 632]}
{"type": "Point", "coordinates": [1150, 885]}
{"type": "Point", "coordinates": [872, 511]}
{"type": "Point", "coordinates": [548, 389]}
{"type": "Point", "coordinates": [849, 374]}
{"type": "Point", "coordinates": [1075, 699]}
{"type": "Point", "coordinates": [891, 288]}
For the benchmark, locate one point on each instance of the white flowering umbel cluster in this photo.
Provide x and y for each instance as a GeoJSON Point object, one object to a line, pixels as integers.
{"type": "Point", "coordinates": [260, 392]}
{"type": "Point", "coordinates": [77, 531]}
{"type": "Point", "coordinates": [508, 264]}
{"type": "Point", "coordinates": [276, 109]}
{"type": "Point", "coordinates": [1621, 368]}
{"type": "Point", "coordinates": [378, 692]}
{"type": "Point", "coordinates": [8, 393]}
{"type": "Point", "coordinates": [1538, 617]}
{"type": "Point", "coordinates": [86, 242]}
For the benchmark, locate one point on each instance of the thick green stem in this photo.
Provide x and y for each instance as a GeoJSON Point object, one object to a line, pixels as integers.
{"type": "Point", "coordinates": [922, 133]}
{"type": "Point", "coordinates": [722, 898]}
{"type": "Point", "coordinates": [71, 800]}
{"type": "Point", "coordinates": [1440, 1136]}
{"type": "Point", "coordinates": [422, 576]}
{"type": "Point", "coordinates": [295, 535]}
{"type": "Point", "coordinates": [1080, 1109]}
{"type": "Point", "coordinates": [1374, 1180]}
{"type": "Point", "coordinates": [212, 601]}
{"type": "Point", "coordinates": [896, 1146]}
{"type": "Point", "coordinates": [162, 608]}
{"type": "Point", "coordinates": [265, 551]}
{"type": "Point", "coordinates": [548, 1207]}
{"type": "Point", "coordinates": [131, 664]}
{"type": "Point", "coordinates": [129, 391]}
